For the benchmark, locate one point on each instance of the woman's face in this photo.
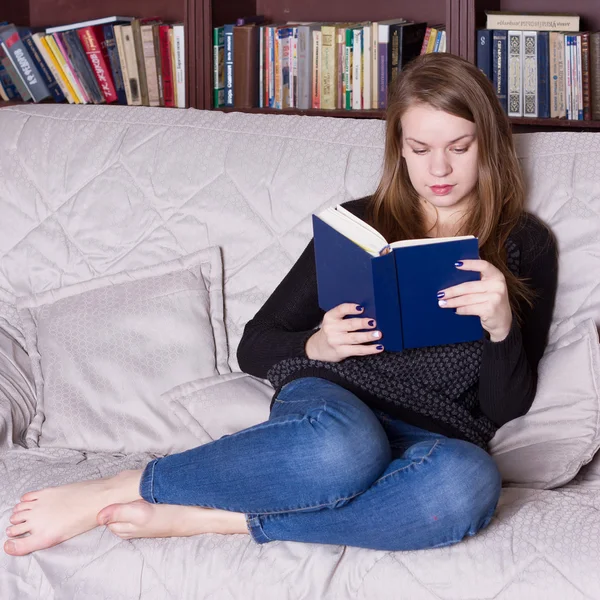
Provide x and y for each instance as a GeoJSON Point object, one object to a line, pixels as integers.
{"type": "Point", "coordinates": [440, 150]}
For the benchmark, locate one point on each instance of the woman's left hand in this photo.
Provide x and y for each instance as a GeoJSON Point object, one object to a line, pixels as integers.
{"type": "Point", "coordinates": [486, 298]}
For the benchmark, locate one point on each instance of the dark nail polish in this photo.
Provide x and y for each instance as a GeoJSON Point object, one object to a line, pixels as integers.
{"type": "Point", "coordinates": [371, 323]}
{"type": "Point", "coordinates": [379, 347]}
{"type": "Point", "coordinates": [458, 263]}
{"type": "Point", "coordinates": [440, 294]}
{"type": "Point", "coordinates": [360, 308]}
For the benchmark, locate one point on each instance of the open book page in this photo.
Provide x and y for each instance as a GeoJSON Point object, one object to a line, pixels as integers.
{"type": "Point", "coordinates": [425, 241]}
{"type": "Point", "coordinates": [355, 229]}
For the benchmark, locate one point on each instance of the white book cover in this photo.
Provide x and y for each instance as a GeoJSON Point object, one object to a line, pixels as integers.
{"type": "Point", "coordinates": [179, 37]}
{"type": "Point", "coordinates": [530, 74]}
{"type": "Point", "coordinates": [367, 67]}
{"type": "Point", "coordinates": [515, 66]}
{"type": "Point", "coordinates": [93, 23]}
{"type": "Point", "coordinates": [357, 69]}
{"type": "Point", "coordinates": [443, 42]}
{"type": "Point", "coordinates": [375, 65]}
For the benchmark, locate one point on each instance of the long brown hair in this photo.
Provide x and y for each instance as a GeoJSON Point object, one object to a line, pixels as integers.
{"type": "Point", "coordinates": [451, 84]}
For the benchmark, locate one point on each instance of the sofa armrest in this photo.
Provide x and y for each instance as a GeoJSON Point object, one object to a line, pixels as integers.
{"type": "Point", "coordinates": [17, 393]}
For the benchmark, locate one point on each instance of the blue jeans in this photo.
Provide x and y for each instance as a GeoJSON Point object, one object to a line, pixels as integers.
{"type": "Point", "coordinates": [327, 469]}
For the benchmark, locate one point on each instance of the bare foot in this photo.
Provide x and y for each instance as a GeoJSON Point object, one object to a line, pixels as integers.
{"type": "Point", "coordinates": [140, 519]}
{"type": "Point", "coordinates": [51, 516]}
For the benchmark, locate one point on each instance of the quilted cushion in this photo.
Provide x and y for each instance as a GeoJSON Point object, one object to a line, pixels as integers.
{"type": "Point", "coordinates": [103, 351]}
{"type": "Point", "coordinates": [560, 433]}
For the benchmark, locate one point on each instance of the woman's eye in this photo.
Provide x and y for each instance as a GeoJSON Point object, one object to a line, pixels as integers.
{"type": "Point", "coordinates": [419, 152]}
{"type": "Point", "coordinates": [459, 150]}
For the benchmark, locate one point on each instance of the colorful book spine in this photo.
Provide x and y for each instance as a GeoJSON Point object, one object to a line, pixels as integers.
{"type": "Point", "coordinates": [81, 66]}
{"type": "Point", "coordinates": [530, 74]}
{"type": "Point", "coordinates": [51, 60]}
{"type": "Point", "coordinates": [272, 76]}
{"type": "Point", "coordinates": [348, 66]}
{"type": "Point", "coordinates": [585, 71]}
{"type": "Point", "coordinates": [218, 67]}
{"type": "Point", "coordinates": [166, 65]}
{"type": "Point", "coordinates": [93, 49]}
{"type": "Point", "coordinates": [316, 68]}
{"type": "Point", "coordinates": [543, 72]}
{"type": "Point", "coordinates": [484, 52]}
{"type": "Point", "coordinates": [329, 67]}
{"type": "Point", "coordinates": [112, 53]}
{"type": "Point", "coordinates": [284, 37]}
{"type": "Point", "coordinates": [23, 64]}
{"type": "Point", "coordinates": [261, 68]}
{"type": "Point", "coordinates": [10, 89]}
{"type": "Point", "coordinates": [44, 68]}
{"type": "Point", "coordinates": [515, 76]}
{"type": "Point", "coordinates": [579, 76]}
{"type": "Point", "coordinates": [500, 66]}
{"type": "Point", "coordinates": [558, 86]}
{"type": "Point", "coordinates": [229, 83]}
{"type": "Point", "coordinates": [65, 65]}
{"type": "Point", "coordinates": [595, 74]}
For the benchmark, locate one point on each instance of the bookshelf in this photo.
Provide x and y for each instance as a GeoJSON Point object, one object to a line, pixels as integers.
{"type": "Point", "coordinates": [461, 17]}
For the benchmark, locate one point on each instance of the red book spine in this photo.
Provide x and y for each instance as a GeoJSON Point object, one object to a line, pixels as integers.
{"type": "Point", "coordinates": [93, 50]}
{"type": "Point", "coordinates": [165, 62]}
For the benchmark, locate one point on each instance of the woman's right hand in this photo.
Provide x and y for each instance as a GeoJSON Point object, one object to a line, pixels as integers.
{"type": "Point", "coordinates": [340, 338]}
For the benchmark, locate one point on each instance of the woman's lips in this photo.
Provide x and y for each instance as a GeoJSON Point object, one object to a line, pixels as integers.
{"type": "Point", "coordinates": [441, 190]}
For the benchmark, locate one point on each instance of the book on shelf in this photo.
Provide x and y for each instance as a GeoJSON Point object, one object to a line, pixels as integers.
{"type": "Point", "coordinates": [245, 61]}
{"type": "Point", "coordinates": [111, 60]}
{"type": "Point", "coordinates": [595, 75]}
{"type": "Point", "coordinates": [396, 283]}
{"type": "Point", "coordinates": [532, 21]}
{"type": "Point", "coordinates": [542, 73]}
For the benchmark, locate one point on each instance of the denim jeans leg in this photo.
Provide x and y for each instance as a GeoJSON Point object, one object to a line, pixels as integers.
{"type": "Point", "coordinates": [320, 447]}
{"type": "Point", "coordinates": [439, 491]}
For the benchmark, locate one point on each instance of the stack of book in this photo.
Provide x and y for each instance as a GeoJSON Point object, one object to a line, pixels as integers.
{"type": "Point", "coordinates": [315, 65]}
{"type": "Point", "coordinates": [542, 65]}
{"type": "Point", "coordinates": [138, 62]}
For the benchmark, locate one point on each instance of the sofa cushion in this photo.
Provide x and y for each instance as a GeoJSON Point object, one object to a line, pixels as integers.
{"type": "Point", "coordinates": [546, 447]}
{"type": "Point", "coordinates": [103, 351]}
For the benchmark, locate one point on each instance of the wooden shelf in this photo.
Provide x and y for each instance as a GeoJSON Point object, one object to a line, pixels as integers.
{"type": "Point", "coordinates": [10, 103]}
{"type": "Point", "coordinates": [312, 112]}
{"type": "Point", "coordinates": [553, 123]}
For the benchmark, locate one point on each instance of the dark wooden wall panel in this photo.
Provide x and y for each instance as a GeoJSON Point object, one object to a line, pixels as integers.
{"type": "Point", "coordinates": [45, 13]}
{"type": "Point", "coordinates": [15, 11]}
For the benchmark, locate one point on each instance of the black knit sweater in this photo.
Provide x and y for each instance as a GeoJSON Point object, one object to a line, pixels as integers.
{"type": "Point", "coordinates": [464, 390]}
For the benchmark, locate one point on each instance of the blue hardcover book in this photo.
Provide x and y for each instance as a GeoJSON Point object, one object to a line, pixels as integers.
{"type": "Point", "coordinates": [500, 66]}
{"type": "Point", "coordinates": [397, 288]}
{"type": "Point", "coordinates": [41, 65]}
{"type": "Point", "coordinates": [484, 52]}
{"type": "Point", "coordinates": [543, 69]}
{"type": "Point", "coordinates": [84, 71]}
{"type": "Point", "coordinates": [7, 83]}
{"type": "Point", "coordinates": [110, 43]}
{"type": "Point", "coordinates": [229, 83]}
{"type": "Point", "coordinates": [24, 65]}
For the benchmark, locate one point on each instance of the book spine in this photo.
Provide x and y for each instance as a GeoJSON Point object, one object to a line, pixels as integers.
{"type": "Point", "coordinates": [340, 98]}
{"type": "Point", "coordinates": [569, 76]}
{"type": "Point", "coordinates": [595, 74]}
{"type": "Point", "coordinates": [82, 69]}
{"type": "Point", "coordinates": [173, 65]}
{"type": "Point", "coordinates": [432, 40]}
{"type": "Point", "coordinates": [149, 60]}
{"type": "Point", "coordinates": [558, 108]}
{"type": "Point", "coordinates": [294, 69]}
{"type": "Point", "coordinates": [14, 76]}
{"type": "Point", "coordinates": [382, 51]}
{"type": "Point", "coordinates": [500, 67]}
{"type": "Point", "coordinates": [349, 49]}
{"type": "Point", "coordinates": [316, 68]}
{"type": "Point", "coordinates": [218, 67]}
{"type": "Point", "coordinates": [277, 71]}
{"type": "Point", "coordinates": [272, 74]}
{"type": "Point", "coordinates": [71, 93]}
{"type": "Point", "coordinates": [136, 30]}
{"type": "Point", "coordinates": [394, 51]}
{"type": "Point", "coordinates": [426, 40]}
{"type": "Point", "coordinates": [132, 65]}
{"type": "Point", "coordinates": [528, 22]}
{"type": "Point", "coordinates": [127, 81]}
{"type": "Point", "coordinates": [585, 73]}
{"type": "Point", "coordinates": [329, 67]}
{"type": "Point", "coordinates": [543, 72]}
{"type": "Point", "coordinates": [304, 67]}
{"type": "Point", "coordinates": [93, 50]}
{"type": "Point", "coordinates": [357, 69]}
{"type": "Point", "coordinates": [179, 52]}
{"type": "Point", "coordinates": [261, 68]}
{"type": "Point", "coordinates": [112, 52]}
{"type": "Point", "coordinates": [484, 52]}
{"type": "Point", "coordinates": [158, 61]}
{"type": "Point", "coordinates": [10, 89]}
{"type": "Point", "coordinates": [515, 67]}
{"type": "Point", "coordinates": [367, 48]}
{"type": "Point", "coordinates": [23, 64]}
{"type": "Point", "coordinates": [375, 65]}
{"type": "Point", "coordinates": [530, 74]}
{"type": "Point", "coordinates": [229, 83]}
{"type": "Point", "coordinates": [167, 69]}
{"type": "Point", "coordinates": [46, 69]}
{"type": "Point", "coordinates": [438, 39]}
{"type": "Point", "coordinates": [70, 70]}
{"type": "Point", "coordinates": [284, 39]}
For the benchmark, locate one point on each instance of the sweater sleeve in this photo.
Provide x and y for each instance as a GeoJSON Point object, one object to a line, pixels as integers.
{"type": "Point", "coordinates": [508, 376]}
{"type": "Point", "coordinates": [281, 328]}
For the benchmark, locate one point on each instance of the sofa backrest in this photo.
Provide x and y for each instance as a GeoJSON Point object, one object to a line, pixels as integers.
{"type": "Point", "coordinates": [88, 191]}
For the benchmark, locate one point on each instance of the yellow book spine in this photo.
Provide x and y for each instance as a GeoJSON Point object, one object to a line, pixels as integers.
{"type": "Point", "coordinates": [431, 43]}
{"type": "Point", "coordinates": [63, 65]}
{"type": "Point", "coordinates": [173, 65]}
{"type": "Point", "coordinates": [55, 67]}
{"type": "Point", "coordinates": [328, 66]}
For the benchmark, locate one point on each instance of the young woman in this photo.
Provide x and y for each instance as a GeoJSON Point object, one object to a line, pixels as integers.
{"type": "Point", "coordinates": [365, 447]}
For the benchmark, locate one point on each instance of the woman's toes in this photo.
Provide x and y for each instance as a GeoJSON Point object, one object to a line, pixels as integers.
{"type": "Point", "coordinates": [20, 547]}
{"type": "Point", "coordinates": [17, 530]}
{"type": "Point", "coordinates": [29, 496]}
{"type": "Point", "coordinates": [18, 517]}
